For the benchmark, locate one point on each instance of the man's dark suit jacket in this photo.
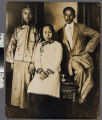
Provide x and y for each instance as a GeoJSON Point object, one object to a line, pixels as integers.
{"type": "Point", "coordinates": [79, 53]}
{"type": "Point", "coordinates": [80, 44]}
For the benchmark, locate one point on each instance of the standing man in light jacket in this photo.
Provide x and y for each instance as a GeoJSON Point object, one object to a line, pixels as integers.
{"type": "Point", "coordinates": [19, 54]}
{"type": "Point", "coordinates": [76, 51]}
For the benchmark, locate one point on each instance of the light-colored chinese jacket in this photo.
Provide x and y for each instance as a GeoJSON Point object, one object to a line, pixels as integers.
{"type": "Point", "coordinates": [22, 44]}
{"type": "Point", "coordinates": [47, 57]}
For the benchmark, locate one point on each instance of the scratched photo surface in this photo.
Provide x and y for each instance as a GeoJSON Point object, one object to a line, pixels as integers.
{"type": "Point", "coordinates": [52, 60]}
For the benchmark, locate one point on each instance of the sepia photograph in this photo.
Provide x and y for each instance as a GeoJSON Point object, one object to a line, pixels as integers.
{"type": "Point", "coordinates": [52, 60]}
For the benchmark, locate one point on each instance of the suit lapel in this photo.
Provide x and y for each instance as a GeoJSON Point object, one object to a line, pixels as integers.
{"type": "Point", "coordinates": [65, 40]}
{"type": "Point", "coordinates": [75, 33]}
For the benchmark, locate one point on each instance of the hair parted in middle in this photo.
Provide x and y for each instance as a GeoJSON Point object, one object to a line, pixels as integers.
{"type": "Point", "coordinates": [51, 28]}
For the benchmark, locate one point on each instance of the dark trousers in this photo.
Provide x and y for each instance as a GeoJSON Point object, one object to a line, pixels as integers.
{"type": "Point", "coordinates": [43, 106]}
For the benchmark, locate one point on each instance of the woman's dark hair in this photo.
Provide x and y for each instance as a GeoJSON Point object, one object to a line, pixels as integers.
{"type": "Point", "coordinates": [51, 27]}
{"type": "Point", "coordinates": [69, 8]}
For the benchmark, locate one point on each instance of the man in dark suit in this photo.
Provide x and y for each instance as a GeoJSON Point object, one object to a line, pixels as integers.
{"type": "Point", "coordinates": [76, 52]}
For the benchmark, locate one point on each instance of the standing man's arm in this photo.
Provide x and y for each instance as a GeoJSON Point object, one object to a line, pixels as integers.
{"type": "Point", "coordinates": [37, 40]}
{"type": "Point", "coordinates": [11, 47]}
{"type": "Point", "coordinates": [93, 34]}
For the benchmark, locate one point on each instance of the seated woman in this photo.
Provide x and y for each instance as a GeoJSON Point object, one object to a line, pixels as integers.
{"type": "Point", "coordinates": [44, 89]}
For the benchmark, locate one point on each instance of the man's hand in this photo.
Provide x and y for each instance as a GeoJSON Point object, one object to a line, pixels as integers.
{"type": "Point", "coordinates": [43, 75]}
{"type": "Point", "coordinates": [12, 66]}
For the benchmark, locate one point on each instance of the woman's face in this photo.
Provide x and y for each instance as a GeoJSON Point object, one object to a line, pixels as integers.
{"type": "Point", "coordinates": [27, 15]}
{"type": "Point", "coordinates": [47, 33]}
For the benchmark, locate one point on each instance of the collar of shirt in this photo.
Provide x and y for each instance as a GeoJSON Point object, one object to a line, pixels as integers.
{"type": "Point", "coordinates": [45, 43]}
{"type": "Point", "coordinates": [24, 26]}
{"type": "Point", "coordinates": [27, 26]}
{"type": "Point", "coordinates": [70, 25]}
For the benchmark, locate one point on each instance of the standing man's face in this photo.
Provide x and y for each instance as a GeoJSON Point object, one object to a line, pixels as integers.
{"type": "Point", "coordinates": [27, 15]}
{"type": "Point", "coordinates": [69, 16]}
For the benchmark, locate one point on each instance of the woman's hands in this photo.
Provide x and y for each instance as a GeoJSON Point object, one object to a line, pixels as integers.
{"type": "Point", "coordinates": [43, 75]}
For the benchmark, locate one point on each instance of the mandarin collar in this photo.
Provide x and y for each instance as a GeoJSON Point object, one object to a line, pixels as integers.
{"type": "Point", "coordinates": [47, 42]}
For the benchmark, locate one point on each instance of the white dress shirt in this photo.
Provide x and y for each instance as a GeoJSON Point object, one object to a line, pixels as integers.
{"type": "Point", "coordinates": [69, 32]}
{"type": "Point", "coordinates": [24, 47]}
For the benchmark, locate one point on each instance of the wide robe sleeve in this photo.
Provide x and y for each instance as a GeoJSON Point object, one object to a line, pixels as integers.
{"type": "Point", "coordinates": [37, 41]}
{"type": "Point", "coordinates": [93, 34]}
{"type": "Point", "coordinates": [11, 47]}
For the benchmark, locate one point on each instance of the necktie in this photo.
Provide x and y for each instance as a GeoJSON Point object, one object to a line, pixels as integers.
{"type": "Point", "coordinates": [70, 30]}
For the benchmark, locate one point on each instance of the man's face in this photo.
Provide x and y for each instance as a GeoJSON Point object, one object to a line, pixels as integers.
{"type": "Point", "coordinates": [69, 16]}
{"type": "Point", "coordinates": [27, 15]}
